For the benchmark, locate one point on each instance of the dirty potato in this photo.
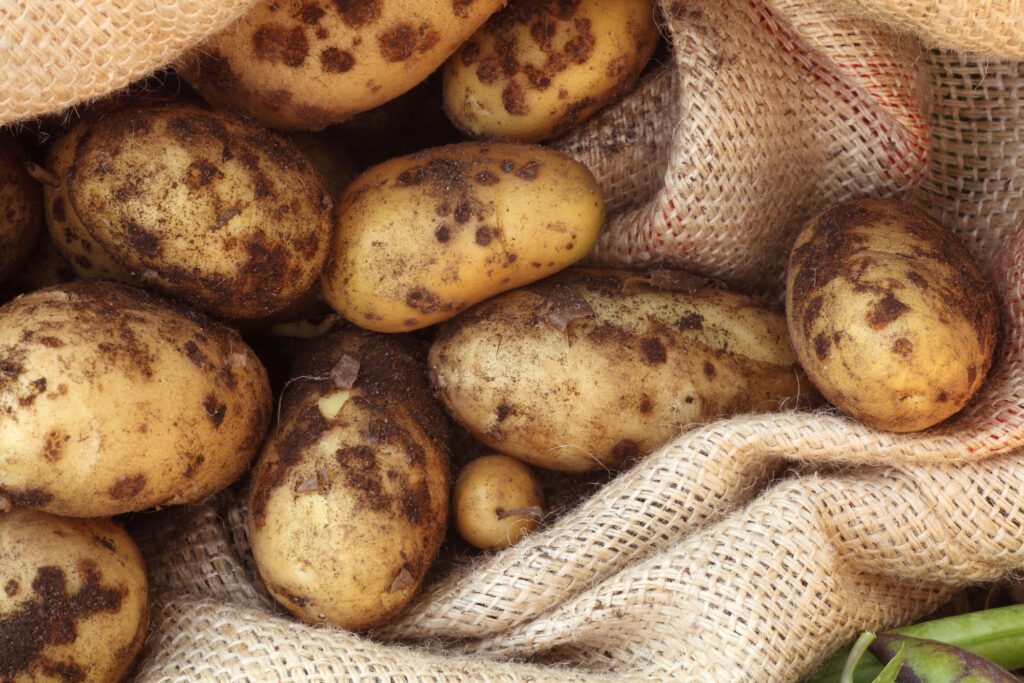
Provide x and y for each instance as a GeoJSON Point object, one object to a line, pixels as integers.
{"type": "Point", "coordinates": [539, 68]}
{"type": "Point", "coordinates": [589, 368]}
{"type": "Point", "coordinates": [113, 400]}
{"type": "Point", "coordinates": [304, 64]}
{"type": "Point", "coordinates": [496, 501]}
{"type": "Point", "coordinates": [889, 315]}
{"type": "Point", "coordinates": [349, 499]}
{"type": "Point", "coordinates": [75, 604]}
{"type": "Point", "coordinates": [206, 207]}
{"type": "Point", "coordinates": [419, 238]}
{"type": "Point", "coordinates": [21, 208]}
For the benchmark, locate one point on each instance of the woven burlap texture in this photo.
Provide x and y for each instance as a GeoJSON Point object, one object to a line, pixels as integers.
{"type": "Point", "coordinates": [697, 563]}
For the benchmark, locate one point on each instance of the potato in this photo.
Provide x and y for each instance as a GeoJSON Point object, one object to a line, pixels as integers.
{"type": "Point", "coordinates": [87, 257]}
{"type": "Point", "coordinates": [590, 368]}
{"type": "Point", "coordinates": [114, 400]}
{"type": "Point", "coordinates": [348, 504]}
{"type": "Point", "coordinates": [21, 208]}
{"type": "Point", "coordinates": [889, 315]}
{"type": "Point", "coordinates": [419, 238]}
{"type": "Point", "coordinates": [306, 64]}
{"type": "Point", "coordinates": [496, 501]}
{"type": "Point", "coordinates": [75, 604]}
{"type": "Point", "coordinates": [539, 68]}
{"type": "Point", "coordinates": [206, 207]}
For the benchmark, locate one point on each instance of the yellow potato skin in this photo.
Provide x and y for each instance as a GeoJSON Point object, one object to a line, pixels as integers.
{"type": "Point", "coordinates": [349, 499]}
{"type": "Point", "coordinates": [114, 400]}
{"type": "Point", "coordinates": [304, 64]}
{"type": "Point", "coordinates": [74, 602]}
{"type": "Point", "coordinates": [591, 368]}
{"type": "Point", "coordinates": [889, 316]}
{"type": "Point", "coordinates": [539, 68]}
{"type": "Point", "coordinates": [497, 500]}
{"type": "Point", "coordinates": [419, 238]}
{"type": "Point", "coordinates": [206, 207]}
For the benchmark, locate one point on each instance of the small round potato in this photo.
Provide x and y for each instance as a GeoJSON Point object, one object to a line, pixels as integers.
{"type": "Point", "coordinates": [113, 400]}
{"type": "Point", "coordinates": [349, 499]}
{"type": "Point", "coordinates": [21, 208]}
{"type": "Point", "coordinates": [539, 68]}
{"type": "Point", "coordinates": [421, 237]}
{"type": "Point", "coordinates": [304, 64]}
{"type": "Point", "coordinates": [74, 603]}
{"type": "Point", "coordinates": [496, 501]}
{"type": "Point", "coordinates": [889, 316]}
{"type": "Point", "coordinates": [206, 207]}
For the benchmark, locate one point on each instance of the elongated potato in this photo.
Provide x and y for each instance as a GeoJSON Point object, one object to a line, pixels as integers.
{"type": "Point", "coordinates": [590, 368]}
{"type": "Point", "coordinates": [538, 68]}
{"type": "Point", "coordinates": [113, 400]}
{"type": "Point", "coordinates": [74, 604]}
{"type": "Point", "coordinates": [348, 504]}
{"type": "Point", "coordinates": [889, 316]}
{"type": "Point", "coordinates": [206, 207]}
{"type": "Point", "coordinates": [419, 238]}
{"type": "Point", "coordinates": [304, 64]}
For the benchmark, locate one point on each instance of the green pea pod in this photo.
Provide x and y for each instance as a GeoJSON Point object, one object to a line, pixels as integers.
{"type": "Point", "coordinates": [927, 661]}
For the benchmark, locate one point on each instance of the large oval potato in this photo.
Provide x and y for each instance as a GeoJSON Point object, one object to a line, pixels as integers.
{"type": "Point", "coordinates": [21, 208]}
{"type": "Point", "coordinates": [74, 604]}
{"type": "Point", "coordinates": [592, 367]}
{"type": "Point", "coordinates": [304, 64]}
{"type": "Point", "coordinates": [539, 68]}
{"type": "Point", "coordinates": [206, 207]}
{"type": "Point", "coordinates": [349, 499]}
{"type": "Point", "coordinates": [889, 315]}
{"type": "Point", "coordinates": [419, 238]}
{"type": "Point", "coordinates": [113, 400]}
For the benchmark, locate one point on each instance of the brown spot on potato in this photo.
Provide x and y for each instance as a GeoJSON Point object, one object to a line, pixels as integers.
{"type": "Point", "coordinates": [486, 178]}
{"type": "Point", "coordinates": [199, 174]}
{"type": "Point", "coordinates": [278, 44]}
{"type": "Point", "coordinates": [460, 8]}
{"type": "Point", "coordinates": [411, 177]}
{"type": "Point", "coordinates": [469, 53]}
{"type": "Point", "coordinates": [885, 311]}
{"type": "Point", "coordinates": [529, 170]}
{"type": "Point", "coordinates": [105, 542]}
{"type": "Point", "coordinates": [623, 449]}
{"type": "Point", "coordinates": [645, 405]}
{"type": "Point", "coordinates": [514, 100]}
{"type": "Point", "coordinates": [690, 321]}
{"type": "Point", "coordinates": [943, 397]}
{"type": "Point", "coordinates": [196, 355]}
{"type": "Point", "coordinates": [902, 347]}
{"type": "Point", "coordinates": [688, 399]}
{"type": "Point", "coordinates": [57, 209]}
{"type": "Point", "coordinates": [398, 43]}
{"type": "Point", "coordinates": [822, 346]}
{"type": "Point", "coordinates": [11, 588]}
{"type": "Point", "coordinates": [143, 241]}
{"type": "Point", "coordinates": [335, 61]}
{"type": "Point", "coordinates": [507, 165]}
{"type": "Point", "coordinates": [358, 13]}
{"type": "Point", "coordinates": [127, 487]}
{"type": "Point", "coordinates": [26, 498]}
{"type": "Point", "coordinates": [423, 300]}
{"type": "Point", "coordinates": [653, 351]}
{"type": "Point", "coordinates": [443, 233]}
{"type": "Point", "coordinates": [503, 411]}
{"type": "Point", "coordinates": [483, 236]}
{"type": "Point", "coordinates": [53, 446]}
{"type": "Point", "coordinates": [310, 13]}
{"type": "Point", "coordinates": [618, 66]}
{"type": "Point", "coordinates": [215, 410]}
{"type": "Point", "coordinates": [51, 619]}
{"type": "Point", "coordinates": [463, 212]}
{"type": "Point", "coordinates": [709, 369]}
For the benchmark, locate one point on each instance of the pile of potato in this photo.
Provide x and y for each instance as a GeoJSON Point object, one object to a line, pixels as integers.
{"type": "Point", "coordinates": [215, 299]}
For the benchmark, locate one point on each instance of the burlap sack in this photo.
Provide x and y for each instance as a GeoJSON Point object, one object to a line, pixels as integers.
{"type": "Point", "coordinates": [701, 562]}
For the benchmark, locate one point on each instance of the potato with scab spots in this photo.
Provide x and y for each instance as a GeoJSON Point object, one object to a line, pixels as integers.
{"type": "Point", "coordinates": [114, 400]}
{"type": "Point", "coordinates": [304, 64]}
{"type": "Point", "coordinates": [421, 237]}
{"type": "Point", "coordinates": [74, 601]}
{"type": "Point", "coordinates": [539, 68]}
{"type": "Point", "coordinates": [206, 207]}
{"type": "Point", "coordinates": [591, 368]}
{"type": "Point", "coordinates": [348, 503]}
{"type": "Point", "coordinates": [889, 315]}
{"type": "Point", "coordinates": [21, 208]}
